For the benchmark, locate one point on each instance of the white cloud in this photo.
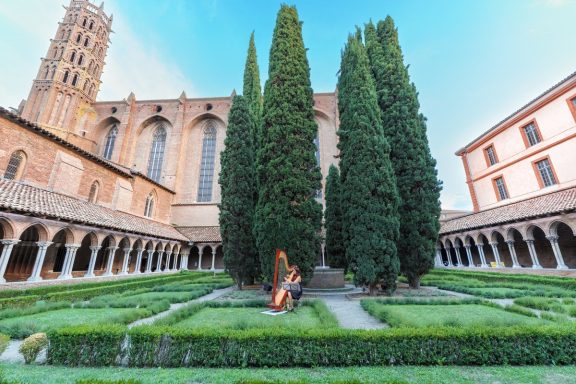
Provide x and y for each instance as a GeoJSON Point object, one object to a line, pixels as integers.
{"type": "Point", "coordinates": [455, 201]}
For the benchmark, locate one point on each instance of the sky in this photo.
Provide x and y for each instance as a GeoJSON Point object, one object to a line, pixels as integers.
{"type": "Point", "coordinates": [473, 62]}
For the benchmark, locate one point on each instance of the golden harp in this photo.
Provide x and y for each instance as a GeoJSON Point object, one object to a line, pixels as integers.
{"type": "Point", "coordinates": [284, 274]}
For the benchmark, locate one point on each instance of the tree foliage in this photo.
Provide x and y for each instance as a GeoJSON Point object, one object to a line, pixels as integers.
{"type": "Point", "coordinates": [335, 252]}
{"type": "Point", "coordinates": [414, 168]}
{"type": "Point", "coordinates": [238, 184]}
{"type": "Point", "coordinates": [287, 215]}
{"type": "Point", "coordinates": [252, 90]}
{"type": "Point", "coordinates": [369, 195]}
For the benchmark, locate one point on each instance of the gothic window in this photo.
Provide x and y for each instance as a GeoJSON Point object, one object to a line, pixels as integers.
{"type": "Point", "coordinates": [149, 207]}
{"type": "Point", "coordinates": [207, 163]}
{"type": "Point", "coordinates": [46, 71]}
{"type": "Point", "coordinates": [65, 78]}
{"type": "Point", "coordinates": [91, 25]}
{"type": "Point", "coordinates": [52, 72]}
{"type": "Point", "coordinates": [86, 41]}
{"type": "Point", "coordinates": [73, 56]}
{"type": "Point", "coordinates": [15, 166]}
{"type": "Point", "coordinates": [79, 38]}
{"type": "Point", "coordinates": [84, 22]}
{"type": "Point", "coordinates": [96, 69]}
{"type": "Point", "coordinates": [85, 86]}
{"type": "Point", "coordinates": [55, 52]}
{"type": "Point", "coordinates": [157, 153]}
{"type": "Point", "coordinates": [110, 141]}
{"type": "Point", "coordinates": [90, 66]}
{"type": "Point", "coordinates": [75, 79]}
{"type": "Point", "coordinates": [94, 189]}
{"type": "Point", "coordinates": [68, 34]}
{"type": "Point", "coordinates": [80, 59]}
{"type": "Point", "coordinates": [100, 52]}
{"type": "Point", "coordinates": [91, 93]}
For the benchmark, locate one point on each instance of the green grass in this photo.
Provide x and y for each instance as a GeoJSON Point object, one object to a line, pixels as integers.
{"type": "Point", "coordinates": [23, 326]}
{"type": "Point", "coordinates": [464, 315]}
{"type": "Point", "coordinates": [33, 374]}
{"type": "Point", "coordinates": [245, 318]}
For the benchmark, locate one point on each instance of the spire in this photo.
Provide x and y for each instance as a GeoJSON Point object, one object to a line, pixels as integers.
{"type": "Point", "coordinates": [182, 97]}
{"type": "Point", "coordinates": [233, 93]}
{"type": "Point", "coordinates": [131, 98]}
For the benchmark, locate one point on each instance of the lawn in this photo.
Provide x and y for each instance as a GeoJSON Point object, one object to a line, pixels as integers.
{"type": "Point", "coordinates": [244, 318]}
{"type": "Point", "coordinates": [18, 327]}
{"type": "Point", "coordinates": [32, 374]}
{"type": "Point", "coordinates": [455, 315]}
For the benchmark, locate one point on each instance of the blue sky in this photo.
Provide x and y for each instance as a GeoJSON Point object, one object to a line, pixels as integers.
{"type": "Point", "coordinates": [473, 62]}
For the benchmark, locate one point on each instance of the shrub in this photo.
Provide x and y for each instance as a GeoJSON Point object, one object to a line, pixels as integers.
{"type": "Point", "coordinates": [32, 345]}
{"type": "Point", "coordinates": [4, 339]}
{"type": "Point", "coordinates": [520, 310]}
{"type": "Point", "coordinates": [98, 381]}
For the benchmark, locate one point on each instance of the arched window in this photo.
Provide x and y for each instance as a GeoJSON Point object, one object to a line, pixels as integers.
{"type": "Point", "coordinates": [91, 25]}
{"type": "Point", "coordinates": [75, 79]}
{"type": "Point", "coordinates": [85, 85]}
{"type": "Point", "coordinates": [157, 153]}
{"type": "Point", "coordinates": [15, 166]}
{"type": "Point", "coordinates": [100, 52]}
{"type": "Point", "coordinates": [55, 52]}
{"type": "Point", "coordinates": [79, 38]}
{"type": "Point", "coordinates": [73, 56]}
{"type": "Point", "coordinates": [80, 59]}
{"type": "Point", "coordinates": [91, 93]}
{"type": "Point", "coordinates": [149, 207]}
{"type": "Point", "coordinates": [86, 41]}
{"type": "Point", "coordinates": [94, 189]}
{"type": "Point", "coordinates": [110, 140]}
{"type": "Point", "coordinates": [52, 72]}
{"type": "Point", "coordinates": [65, 78]}
{"type": "Point", "coordinates": [207, 163]}
{"type": "Point", "coordinates": [90, 65]}
{"type": "Point", "coordinates": [84, 22]}
{"type": "Point", "coordinates": [46, 72]}
{"type": "Point", "coordinates": [96, 69]}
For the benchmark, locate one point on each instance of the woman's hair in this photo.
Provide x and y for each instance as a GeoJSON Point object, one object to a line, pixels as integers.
{"type": "Point", "coordinates": [295, 269]}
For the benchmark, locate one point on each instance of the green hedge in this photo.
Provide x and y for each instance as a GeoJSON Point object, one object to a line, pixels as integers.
{"type": "Point", "coordinates": [98, 381]}
{"type": "Point", "coordinates": [151, 346]}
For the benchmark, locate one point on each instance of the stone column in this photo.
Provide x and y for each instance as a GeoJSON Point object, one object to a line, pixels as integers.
{"type": "Point", "coordinates": [438, 258]}
{"type": "Point", "coordinates": [42, 247]}
{"type": "Point", "coordinates": [149, 261]}
{"type": "Point", "coordinates": [71, 250]}
{"type": "Point", "coordinates": [177, 258]}
{"type": "Point", "coordinates": [482, 256]}
{"type": "Point", "coordinates": [494, 246]}
{"type": "Point", "coordinates": [168, 260]}
{"type": "Point", "coordinates": [111, 253]}
{"type": "Point", "coordinates": [138, 261]}
{"type": "Point", "coordinates": [6, 252]}
{"type": "Point", "coordinates": [93, 256]}
{"type": "Point", "coordinates": [159, 262]}
{"type": "Point", "coordinates": [512, 250]}
{"type": "Point", "coordinates": [184, 262]}
{"type": "Point", "coordinates": [469, 256]}
{"type": "Point", "coordinates": [200, 252]}
{"type": "Point", "coordinates": [458, 258]}
{"type": "Point", "coordinates": [124, 270]}
{"type": "Point", "coordinates": [449, 256]}
{"type": "Point", "coordinates": [213, 257]}
{"type": "Point", "coordinates": [557, 252]}
{"type": "Point", "coordinates": [533, 254]}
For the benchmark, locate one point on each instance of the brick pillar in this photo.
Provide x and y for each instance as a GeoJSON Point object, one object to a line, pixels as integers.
{"type": "Point", "coordinates": [512, 250]}
{"type": "Point", "coordinates": [42, 247]}
{"type": "Point", "coordinates": [111, 254]}
{"type": "Point", "coordinates": [138, 261]}
{"type": "Point", "coordinates": [557, 252]}
{"type": "Point", "coordinates": [124, 270]}
{"type": "Point", "coordinates": [533, 254]}
{"type": "Point", "coordinates": [93, 256]}
{"type": "Point", "coordinates": [6, 252]}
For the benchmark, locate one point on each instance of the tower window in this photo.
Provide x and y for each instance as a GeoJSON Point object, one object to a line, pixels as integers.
{"type": "Point", "coordinates": [114, 110]}
{"type": "Point", "coordinates": [65, 78]}
{"type": "Point", "coordinates": [110, 141]}
{"type": "Point", "coordinates": [80, 59]}
{"type": "Point", "coordinates": [75, 79]}
{"type": "Point", "coordinates": [91, 25]}
{"type": "Point", "coordinates": [157, 153]}
{"type": "Point", "coordinates": [207, 163]}
{"type": "Point", "coordinates": [149, 206]}
{"type": "Point", "coordinates": [84, 22]}
{"type": "Point", "coordinates": [86, 41]}
{"type": "Point", "coordinates": [79, 38]}
{"type": "Point", "coordinates": [73, 56]}
{"type": "Point", "coordinates": [158, 108]}
{"type": "Point", "coordinates": [93, 196]}
{"type": "Point", "coordinates": [209, 107]}
{"type": "Point", "coordinates": [46, 71]}
{"type": "Point", "coordinates": [15, 166]}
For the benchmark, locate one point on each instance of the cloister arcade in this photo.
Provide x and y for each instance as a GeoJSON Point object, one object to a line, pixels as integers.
{"type": "Point", "coordinates": [34, 249]}
{"type": "Point", "coordinates": [544, 243]}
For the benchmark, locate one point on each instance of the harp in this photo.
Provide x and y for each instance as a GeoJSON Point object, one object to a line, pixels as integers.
{"type": "Point", "coordinates": [284, 274]}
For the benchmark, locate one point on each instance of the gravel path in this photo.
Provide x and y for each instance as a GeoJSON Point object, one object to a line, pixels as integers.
{"type": "Point", "coordinates": [211, 296]}
{"type": "Point", "coordinates": [350, 314]}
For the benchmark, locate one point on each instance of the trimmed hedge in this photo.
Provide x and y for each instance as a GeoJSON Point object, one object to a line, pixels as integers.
{"type": "Point", "coordinates": [151, 346]}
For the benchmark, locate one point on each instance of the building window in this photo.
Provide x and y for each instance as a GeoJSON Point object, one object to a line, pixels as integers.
{"type": "Point", "coordinates": [91, 25]}
{"type": "Point", "coordinates": [157, 153]}
{"type": "Point", "coordinates": [318, 193]}
{"type": "Point", "coordinates": [531, 134]}
{"type": "Point", "coordinates": [84, 22]}
{"type": "Point", "coordinates": [86, 41]}
{"type": "Point", "coordinates": [78, 38]}
{"type": "Point", "coordinates": [15, 166]}
{"type": "Point", "coordinates": [94, 189]}
{"type": "Point", "coordinates": [65, 78]}
{"type": "Point", "coordinates": [80, 59]}
{"type": "Point", "coordinates": [545, 172]}
{"type": "Point", "coordinates": [73, 57]}
{"type": "Point", "coordinates": [110, 140]}
{"type": "Point", "coordinates": [207, 163]}
{"type": "Point", "coordinates": [75, 79]}
{"type": "Point", "coordinates": [500, 188]}
{"type": "Point", "coordinates": [149, 207]}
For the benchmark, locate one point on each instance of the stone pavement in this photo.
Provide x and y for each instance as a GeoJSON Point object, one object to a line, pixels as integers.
{"type": "Point", "coordinates": [350, 314]}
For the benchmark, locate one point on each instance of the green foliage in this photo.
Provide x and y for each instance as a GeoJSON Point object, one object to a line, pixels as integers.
{"type": "Point", "coordinates": [414, 167]}
{"type": "Point", "coordinates": [238, 185]}
{"type": "Point", "coordinates": [520, 310]}
{"type": "Point", "coordinates": [335, 251]}
{"type": "Point", "coordinates": [4, 340]}
{"type": "Point", "coordinates": [287, 215]}
{"type": "Point", "coordinates": [86, 345]}
{"type": "Point", "coordinates": [98, 381]}
{"type": "Point", "coordinates": [32, 345]}
{"type": "Point", "coordinates": [38, 307]}
{"type": "Point", "coordinates": [369, 195]}
{"type": "Point", "coordinates": [252, 91]}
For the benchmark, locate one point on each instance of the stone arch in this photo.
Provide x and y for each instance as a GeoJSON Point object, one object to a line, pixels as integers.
{"type": "Point", "coordinates": [193, 258]}
{"type": "Point", "coordinates": [521, 248]}
{"type": "Point", "coordinates": [459, 245]}
{"type": "Point", "coordinates": [485, 243]}
{"type": "Point", "coordinates": [502, 247]}
{"type": "Point", "coordinates": [219, 262]}
{"type": "Point", "coordinates": [6, 228]}
{"type": "Point", "coordinates": [42, 230]}
{"type": "Point", "coordinates": [476, 259]}
{"type": "Point", "coordinates": [451, 252]}
{"type": "Point", "coordinates": [542, 246]}
{"type": "Point", "coordinates": [56, 252]}
{"type": "Point", "coordinates": [206, 263]}
{"type": "Point", "coordinates": [566, 242]}
{"type": "Point", "coordinates": [23, 256]}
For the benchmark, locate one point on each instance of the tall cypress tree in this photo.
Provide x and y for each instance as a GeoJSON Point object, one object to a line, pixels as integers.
{"type": "Point", "coordinates": [369, 195]}
{"type": "Point", "coordinates": [252, 91]}
{"type": "Point", "coordinates": [335, 251]}
{"type": "Point", "coordinates": [414, 167]}
{"type": "Point", "coordinates": [237, 182]}
{"type": "Point", "coordinates": [287, 215]}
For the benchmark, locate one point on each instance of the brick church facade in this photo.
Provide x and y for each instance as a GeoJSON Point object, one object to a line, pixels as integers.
{"type": "Point", "coordinates": [113, 187]}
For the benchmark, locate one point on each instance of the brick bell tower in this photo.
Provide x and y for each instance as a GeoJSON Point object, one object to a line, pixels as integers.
{"type": "Point", "coordinates": [69, 76]}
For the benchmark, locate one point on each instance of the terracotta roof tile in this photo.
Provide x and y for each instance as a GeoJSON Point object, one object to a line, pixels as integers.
{"type": "Point", "coordinates": [543, 205]}
{"type": "Point", "coordinates": [18, 197]}
{"type": "Point", "coordinates": [202, 234]}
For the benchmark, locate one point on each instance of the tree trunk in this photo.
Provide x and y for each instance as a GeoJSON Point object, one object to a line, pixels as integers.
{"type": "Point", "coordinates": [372, 290]}
{"type": "Point", "coordinates": [414, 282]}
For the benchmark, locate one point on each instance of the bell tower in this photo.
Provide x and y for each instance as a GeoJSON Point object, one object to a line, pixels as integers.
{"type": "Point", "coordinates": [69, 76]}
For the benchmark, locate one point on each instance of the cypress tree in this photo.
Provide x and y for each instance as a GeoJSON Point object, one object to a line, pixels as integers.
{"type": "Point", "coordinates": [287, 215]}
{"type": "Point", "coordinates": [369, 195]}
{"type": "Point", "coordinates": [414, 167]}
{"type": "Point", "coordinates": [237, 182]}
{"type": "Point", "coordinates": [335, 252]}
{"type": "Point", "coordinates": [252, 90]}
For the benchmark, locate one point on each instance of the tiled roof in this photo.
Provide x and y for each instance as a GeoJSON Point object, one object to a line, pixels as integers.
{"type": "Point", "coordinates": [18, 197]}
{"type": "Point", "coordinates": [201, 234]}
{"type": "Point", "coordinates": [543, 205]}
